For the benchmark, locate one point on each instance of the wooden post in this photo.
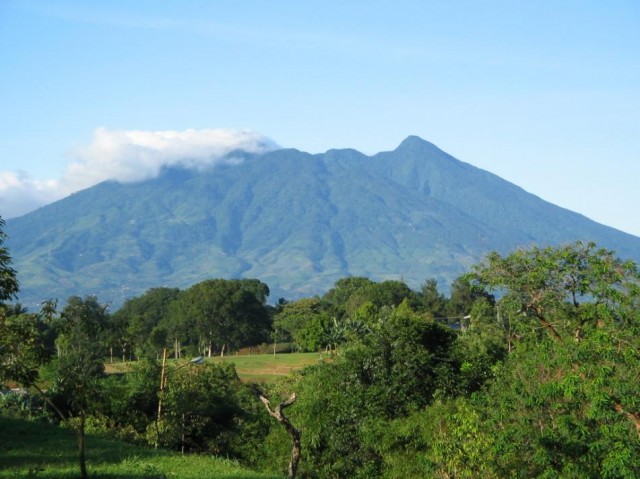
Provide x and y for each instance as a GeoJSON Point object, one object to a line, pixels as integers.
{"type": "Point", "coordinates": [163, 381]}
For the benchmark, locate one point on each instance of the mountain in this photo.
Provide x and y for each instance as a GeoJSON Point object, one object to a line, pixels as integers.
{"type": "Point", "coordinates": [294, 220]}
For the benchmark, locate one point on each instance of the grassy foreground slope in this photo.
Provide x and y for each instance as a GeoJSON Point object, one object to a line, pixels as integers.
{"type": "Point", "coordinates": [29, 449]}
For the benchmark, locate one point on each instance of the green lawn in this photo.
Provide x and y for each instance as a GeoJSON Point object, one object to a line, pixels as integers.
{"type": "Point", "coordinates": [254, 367]}
{"type": "Point", "coordinates": [29, 449]}
{"type": "Point", "coordinates": [267, 367]}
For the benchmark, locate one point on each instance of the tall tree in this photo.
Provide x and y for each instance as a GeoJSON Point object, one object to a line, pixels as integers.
{"type": "Point", "coordinates": [204, 407]}
{"type": "Point", "coordinates": [225, 313]}
{"type": "Point", "coordinates": [134, 322]}
{"type": "Point", "coordinates": [13, 338]}
{"type": "Point", "coordinates": [304, 321]}
{"type": "Point", "coordinates": [432, 300]}
{"type": "Point", "coordinates": [566, 401]}
{"type": "Point", "coordinates": [22, 348]}
{"type": "Point", "coordinates": [462, 298]}
{"type": "Point", "coordinates": [9, 285]}
{"type": "Point", "coordinates": [563, 290]}
{"type": "Point", "coordinates": [391, 371]}
{"type": "Point", "coordinates": [335, 300]}
{"type": "Point", "coordinates": [79, 369]}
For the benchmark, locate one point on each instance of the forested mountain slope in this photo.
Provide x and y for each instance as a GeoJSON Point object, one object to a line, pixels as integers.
{"type": "Point", "coordinates": [296, 221]}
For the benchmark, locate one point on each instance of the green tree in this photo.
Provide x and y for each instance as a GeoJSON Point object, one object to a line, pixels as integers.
{"type": "Point", "coordinates": [80, 368]}
{"type": "Point", "coordinates": [133, 323]}
{"type": "Point", "coordinates": [305, 321]}
{"type": "Point", "coordinates": [565, 402]}
{"type": "Point", "coordinates": [9, 286]}
{"type": "Point", "coordinates": [22, 348]}
{"type": "Point", "coordinates": [225, 313]}
{"type": "Point", "coordinates": [130, 404]}
{"type": "Point", "coordinates": [292, 316]}
{"type": "Point", "coordinates": [432, 300]}
{"type": "Point", "coordinates": [445, 440]}
{"type": "Point", "coordinates": [393, 370]}
{"type": "Point", "coordinates": [177, 327]}
{"type": "Point", "coordinates": [207, 409]}
{"type": "Point", "coordinates": [335, 300]}
{"type": "Point", "coordinates": [478, 350]}
{"type": "Point", "coordinates": [386, 293]}
{"type": "Point", "coordinates": [256, 287]}
{"type": "Point", "coordinates": [563, 291]}
{"type": "Point", "coordinates": [561, 400]}
{"type": "Point", "coordinates": [461, 300]}
{"type": "Point", "coordinates": [22, 335]}
{"type": "Point", "coordinates": [565, 409]}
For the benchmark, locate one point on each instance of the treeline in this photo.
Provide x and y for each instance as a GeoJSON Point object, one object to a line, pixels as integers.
{"type": "Point", "coordinates": [210, 317]}
{"type": "Point", "coordinates": [539, 378]}
{"type": "Point", "coordinates": [219, 316]}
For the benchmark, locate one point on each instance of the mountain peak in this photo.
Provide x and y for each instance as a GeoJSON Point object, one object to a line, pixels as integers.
{"type": "Point", "coordinates": [299, 226]}
{"type": "Point", "coordinates": [413, 142]}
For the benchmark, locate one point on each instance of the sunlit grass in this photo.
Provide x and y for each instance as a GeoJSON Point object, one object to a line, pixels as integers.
{"type": "Point", "coordinates": [268, 367]}
{"type": "Point", "coordinates": [29, 449]}
{"type": "Point", "coordinates": [254, 367]}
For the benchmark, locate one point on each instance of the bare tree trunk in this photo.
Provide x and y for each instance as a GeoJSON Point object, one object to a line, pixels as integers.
{"type": "Point", "coordinates": [293, 432]}
{"type": "Point", "coordinates": [83, 464]}
{"type": "Point", "coordinates": [183, 427]}
{"type": "Point", "coordinates": [222, 350]}
{"type": "Point", "coordinates": [163, 373]}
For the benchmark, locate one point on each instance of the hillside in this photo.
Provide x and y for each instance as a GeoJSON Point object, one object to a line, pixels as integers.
{"type": "Point", "coordinates": [296, 221]}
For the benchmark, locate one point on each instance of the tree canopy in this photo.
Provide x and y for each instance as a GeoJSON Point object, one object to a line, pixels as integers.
{"type": "Point", "coordinates": [9, 285]}
{"type": "Point", "coordinates": [541, 380]}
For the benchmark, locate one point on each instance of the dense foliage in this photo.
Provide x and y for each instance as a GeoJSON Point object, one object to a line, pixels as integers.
{"type": "Point", "coordinates": [8, 281]}
{"type": "Point", "coordinates": [538, 377]}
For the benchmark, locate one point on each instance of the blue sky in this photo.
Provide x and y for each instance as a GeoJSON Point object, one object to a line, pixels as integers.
{"type": "Point", "coordinates": [545, 94]}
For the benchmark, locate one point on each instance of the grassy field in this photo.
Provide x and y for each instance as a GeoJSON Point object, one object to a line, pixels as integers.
{"type": "Point", "coordinates": [267, 367]}
{"type": "Point", "coordinates": [255, 367]}
{"type": "Point", "coordinates": [30, 450]}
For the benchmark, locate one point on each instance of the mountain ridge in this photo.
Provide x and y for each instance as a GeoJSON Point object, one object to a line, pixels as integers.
{"type": "Point", "coordinates": [296, 221]}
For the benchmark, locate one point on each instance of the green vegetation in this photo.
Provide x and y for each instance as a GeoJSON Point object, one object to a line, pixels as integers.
{"type": "Point", "coordinates": [8, 281]}
{"type": "Point", "coordinates": [413, 213]}
{"type": "Point", "coordinates": [263, 367]}
{"type": "Point", "coordinates": [37, 449]}
{"type": "Point", "coordinates": [538, 377]}
{"type": "Point", "coordinates": [267, 367]}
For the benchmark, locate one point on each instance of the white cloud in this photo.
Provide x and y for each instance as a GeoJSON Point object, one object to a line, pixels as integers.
{"type": "Point", "coordinates": [128, 156]}
{"type": "Point", "coordinates": [139, 155]}
{"type": "Point", "coordinates": [19, 194]}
